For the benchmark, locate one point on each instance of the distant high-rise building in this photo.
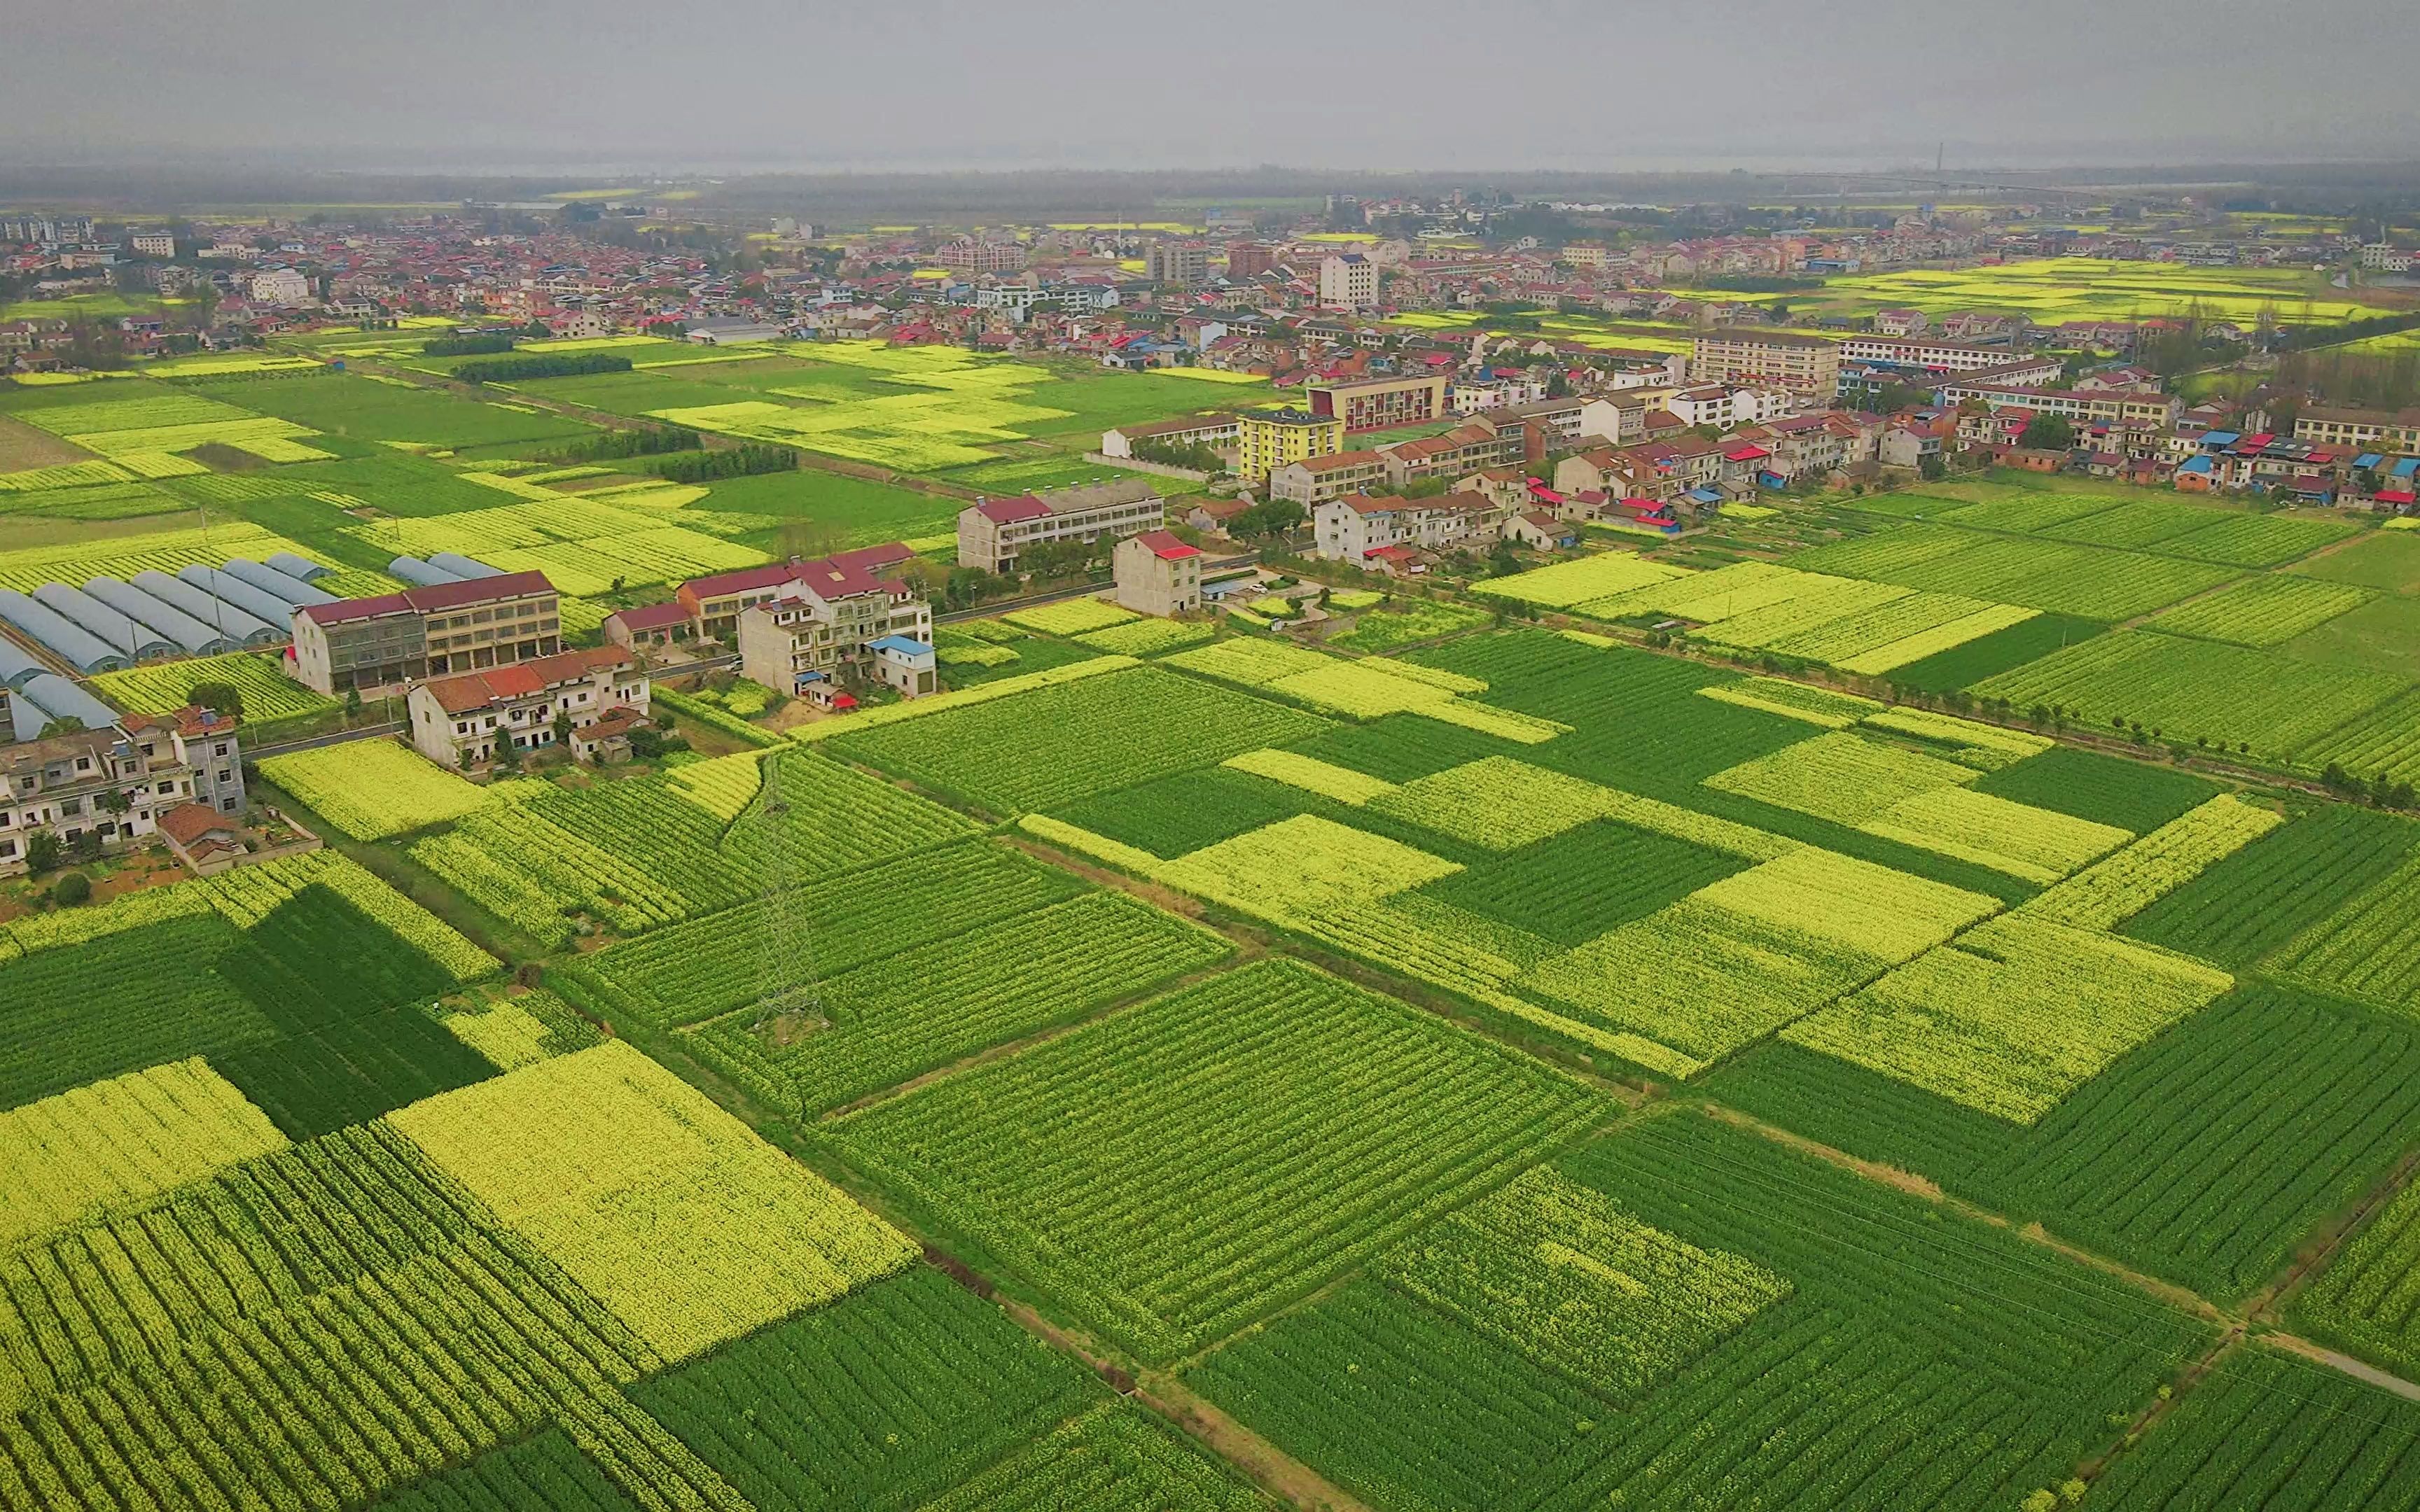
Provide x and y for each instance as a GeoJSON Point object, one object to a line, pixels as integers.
{"type": "Point", "coordinates": [1183, 264]}
{"type": "Point", "coordinates": [1348, 281]}
{"type": "Point", "coordinates": [1250, 259]}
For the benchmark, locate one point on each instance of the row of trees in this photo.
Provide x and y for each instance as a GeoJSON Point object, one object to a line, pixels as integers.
{"type": "Point", "coordinates": [739, 461]}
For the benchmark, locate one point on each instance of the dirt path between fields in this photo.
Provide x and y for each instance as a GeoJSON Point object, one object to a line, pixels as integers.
{"type": "Point", "coordinates": [2181, 1298]}
{"type": "Point", "coordinates": [2319, 1354]}
{"type": "Point", "coordinates": [1271, 1468]}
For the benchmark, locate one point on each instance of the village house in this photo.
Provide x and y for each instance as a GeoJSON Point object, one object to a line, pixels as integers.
{"type": "Point", "coordinates": [713, 603]}
{"type": "Point", "coordinates": [1356, 527]}
{"type": "Point", "coordinates": [1447, 456]}
{"type": "Point", "coordinates": [1315, 480]}
{"type": "Point", "coordinates": [1157, 574]}
{"type": "Point", "coordinates": [831, 617]}
{"type": "Point", "coordinates": [108, 786]}
{"type": "Point", "coordinates": [648, 625]}
{"type": "Point", "coordinates": [461, 722]}
{"type": "Point", "coordinates": [1539, 529]}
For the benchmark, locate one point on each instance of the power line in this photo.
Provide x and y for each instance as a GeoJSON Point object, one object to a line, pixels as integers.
{"type": "Point", "coordinates": [788, 987]}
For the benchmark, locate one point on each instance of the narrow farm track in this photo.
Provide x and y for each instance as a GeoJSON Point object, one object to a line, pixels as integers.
{"type": "Point", "coordinates": [2238, 1325]}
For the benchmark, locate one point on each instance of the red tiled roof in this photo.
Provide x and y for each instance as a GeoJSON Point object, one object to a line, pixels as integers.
{"type": "Point", "coordinates": [469, 691]}
{"type": "Point", "coordinates": [1166, 546]}
{"type": "Point", "coordinates": [430, 600]}
{"type": "Point", "coordinates": [650, 616]}
{"type": "Point", "coordinates": [745, 580]}
{"type": "Point", "coordinates": [865, 560]}
{"type": "Point", "coordinates": [187, 721]}
{"type": "Point", "coordinates": [1010, 511]}
{"type": "Point", "coordinates": [189, 822]}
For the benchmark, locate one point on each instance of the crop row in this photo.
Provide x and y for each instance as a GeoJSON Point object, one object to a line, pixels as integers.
{"type": "Point", "coordinates": [2191, 690]}
{"type": "Point", "coordinates": [2107, 894]}
{"type": "Point", "coordinates": [2037, 845]}
{"type": "Point", "coordinates": [1557, 1271]}
{"type": "Point", "coordinates": [309, 1330]}
{"type": "Point", "coordinates": [135, 997]}
{"type": "Point", "coordinates": [890, 1020]}
{"type": "Point", "coordinates": [2385, 741]}
{"type": "Point", "coordinates": [1908, 1327]}
{"type": "Point", "coordinates": [1743, 956]}
{"type": "Point", "coordinates": [1793, 700]}
{"type": "Point", "coordinates": [1058, 743]}
{"type": "Point", "coordinates": [2012, 1017]}
{"type": "Point", "coordinates": [1896, 630]}
{"type": "Point", "coordinates": [887, 1398]}
{"type": "Point", "coordinates": [2094, 581]}
{"type": "Point", "coordinates": [665, 1207]}
{"type": "Point", "coordinates": [372, 789]}
{"type": "Point", "coordinates": [71, 1154]}
{"type": "Point", "coordinates": [1566, 583]}
{"type": "Point", "coordinates": [2254, 902]}
{"type": "Point", "coordinates": [2365, 948]}
{"type": "Point", "coordinates": [2268, 1430]}
{"type": "Point", "coordinates": [1293, 1125]}
{"type": "Point", "coordinates": [2264, 610]}
{"type": "Point", "coordinates": [266, 692]}
{"type": "Point", "coordinates": [702, 969]}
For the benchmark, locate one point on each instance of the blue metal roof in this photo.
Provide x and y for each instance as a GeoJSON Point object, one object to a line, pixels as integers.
{"type": "Point", "coordinates": [2406, 468]}
{"type": "Point", "coordinates": [2221, 438]}
{"type": "Point", "coordinates": [907, 645]}
{"type": "Point", "coordinates": [2198, 463]}
{"type": "Point", "coordinates": [1705, 496]}
{"type": "Point", "coordinates": [2367, 460]}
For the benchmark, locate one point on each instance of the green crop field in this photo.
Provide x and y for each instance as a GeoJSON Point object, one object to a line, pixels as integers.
{"type": "Point", "coordinates": [2054, 289]}
{"type": "Point", "coordinates": [920, 410]}
{"type": "Point", "coordinates": [1416, 1059]}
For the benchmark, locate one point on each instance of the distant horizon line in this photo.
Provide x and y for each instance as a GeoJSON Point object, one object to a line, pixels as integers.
{"type": "Point", "coordinates": [586, 167]}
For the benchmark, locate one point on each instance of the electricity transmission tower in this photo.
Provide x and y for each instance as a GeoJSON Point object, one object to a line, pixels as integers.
{"type": "Point", "coordinates": [788, 989]}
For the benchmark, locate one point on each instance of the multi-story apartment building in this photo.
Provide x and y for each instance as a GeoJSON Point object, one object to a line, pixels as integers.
{"type": "Point", "coordinates": [2385, 430]}
{"type": "Point", "coordinates": [1351, 527]}
{"type": "Point", "coordinates": [1184, 264]}
{"type": "Point", "coordinates": [2130, 411]}
{"type": "Point", "coordinates": [1218, 432]}
{"type": "Point", "coordinates": [377, 644]}
{"type": "Point", "coordinates": [1315, 480]}
{"type": "Point", "coordinates": [1157, 574]}
{"type": "Point", "coordinates": [280, 287]}
{"type": "Point", "coordinates": [1250, 259]}
{"type": "Point", "coordinates": [1802, 363]}
{"type": "Point", "coordinates": [1726, 405]}
{"type": "Point", "coordinates": [1267, 439]}
{"type": "Point", "coordinates": [994, 532]}
{"type": "Point", "coordinates": [1348, 281]}
{"type": "Point", "coordinates": [113, 784]}
{"type": "Point", "coordinates": [1926, 352]}
{"type": "Point", "coordinates": [464, 720]}
{"type": "Point", "coordinates": [153, 243]}
{"type": "Point", "coordinates": [1545, 425]}
{"type": "Point", "coordinates": [1449, 456]}
{"type": "Point", "coordinates": [980, 255]}
{"type": "Point", "coordinates": [832, 619]}
{"type": "Point", "coordinates": [1379, 402]}
{"type": "Point", "coordinates": [714, 602]}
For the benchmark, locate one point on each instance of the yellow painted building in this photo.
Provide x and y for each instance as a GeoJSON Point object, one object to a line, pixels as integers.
{"type": "Point", "coordinates": [1269, 438]}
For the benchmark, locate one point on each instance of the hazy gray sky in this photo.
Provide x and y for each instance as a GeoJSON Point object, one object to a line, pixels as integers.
{"type": "Point", "coordinates": [1135, 84]}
